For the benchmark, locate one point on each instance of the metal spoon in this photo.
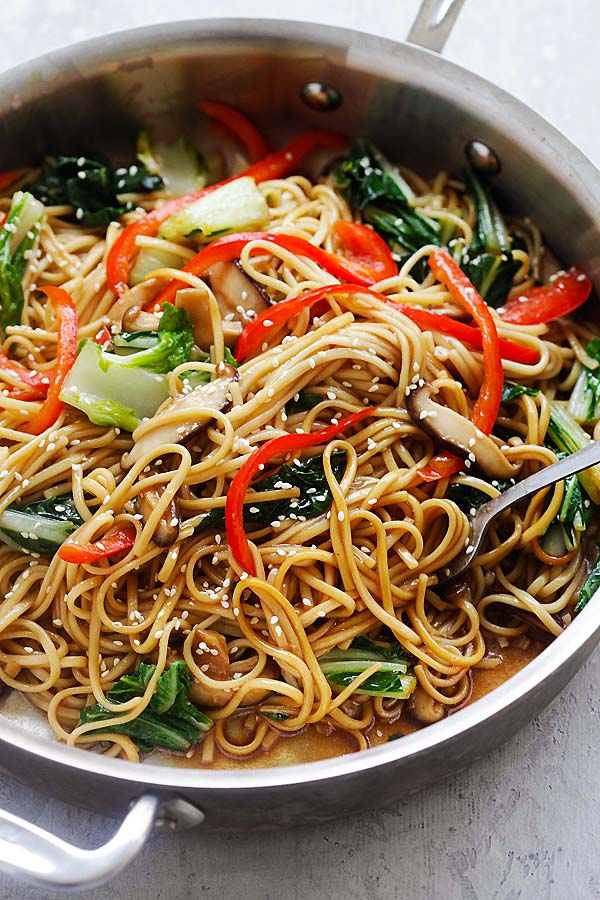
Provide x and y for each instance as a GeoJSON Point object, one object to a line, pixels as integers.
{"type": "Point", "coordinates": [485, 515]}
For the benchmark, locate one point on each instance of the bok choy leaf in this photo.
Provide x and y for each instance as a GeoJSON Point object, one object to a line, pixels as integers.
{"type": "Point", "coordinates": [170, 720]}
{"type": "Point", "coordinates": [18, 235]}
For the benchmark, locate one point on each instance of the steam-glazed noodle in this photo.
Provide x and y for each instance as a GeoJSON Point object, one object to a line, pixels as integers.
{"type": "Point", "coordinates": [368, 565]}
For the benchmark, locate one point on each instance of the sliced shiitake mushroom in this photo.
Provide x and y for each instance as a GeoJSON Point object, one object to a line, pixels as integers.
{"type": "Point", "coordinates": [135, 319]}
{"type": "Point", "coordinates": [459, 434]}
{"type": "Point", "coordinates": [210, 651]}
{"type": "Point", "coordinates": [140, 295]}
{"type": "Point", "coordinates": [422, 707]}
{"type": "Point", "coordinates": [236, 294]}
{"type": "Point", "coordinates": [167, 530]}
{"type": "Point", "coordinates": [194, 302]}
{"type": "Point", "coordinates": [257, 695]}
{"type": "Point", "coordinates": [179, 417]}
{"type": "Point", "coordinates": [234, 289]}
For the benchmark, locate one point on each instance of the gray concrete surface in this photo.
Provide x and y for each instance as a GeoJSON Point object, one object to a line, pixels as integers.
{"type": "Point", "coordinates": [520, 825]}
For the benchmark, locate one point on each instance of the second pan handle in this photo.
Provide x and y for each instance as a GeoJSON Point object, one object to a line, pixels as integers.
{"type": "Point", "coordinates": [30, 853]}
{"type": "Point", "coordinates": [433, 23]}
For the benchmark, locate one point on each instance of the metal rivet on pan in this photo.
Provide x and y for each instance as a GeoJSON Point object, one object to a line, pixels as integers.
{"type": "Point", "coordinates": [320, 96]}
{"type": "Point", "coordinates": [483, 159]}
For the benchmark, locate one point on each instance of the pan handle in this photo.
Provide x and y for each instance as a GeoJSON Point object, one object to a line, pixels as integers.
{"type": "Point", "coordinates": [433, 23]}
{"type": "Point", "coordinates": [31, 854]}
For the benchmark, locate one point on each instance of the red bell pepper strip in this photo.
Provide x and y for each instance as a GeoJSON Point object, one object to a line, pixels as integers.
{"type": "Point", "coordinates": [485, 411]}
{"type": "Point", "coordinates": [259, 329]}
{"type": "Point", "coordinates": [544, 304]}
{"type": "Point", "coordinates": [433, 321]}
{"type": "Point", "coordinates": [66, 352]}
{"type": "Point", "coordinates": [103, 338]}
{"type": "Point", "coordinates": [282, 162]}
{"type": "Point", "coordinates": [231, 246]}
{"type": "Point", "coordinates": [442, 465]}
{"type": "Point", "coordinates": [238, 126]}
{"type": "Point", "coordinates": [366, 250]}
{"type": "Point", "coordinates": [276, 165]}
{"type": "Point", "coordinates": [287, 443]}
{"type": "Point", "coordinates": [110, 545]}
{"type": "Point", "coordinates": [7, 178]}
{"type": "Point", "coordinates": [38, 381]}
{"type": "Point", "coordinates": [486, 407]}
{"type": "Point", "coordinates": [29, 395]}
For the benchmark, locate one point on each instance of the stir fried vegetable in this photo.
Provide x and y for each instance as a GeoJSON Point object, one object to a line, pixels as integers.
{"type": "Point", "coordinates": [591, 585]}
{"type": "Point", "coordinates": [584, 402]}
{"type": "Point", "coordinates": [287, 443]}
{"type": "Point", "coordinates": [469, 498]}
{"type": "Point", "coordinates": [18, 235]}
{"type": "Point", "coordinates": [486, 407]}
{"type": "Point", "coordinates": [111, 391]}
{"type": "Point", "coordinates": [112, 544]}
{"type": "Point", "coordinates": [170, 720]}
{"type": "Point", "coordinates": [308, 475]}
{"type": "Point", "coordinates": [40, 527]}
{"type": "Point", "coordinates": [234, 207]}
{"type": "Point", "coordinates": [393, 678]}
{"type": "Point", "coordinates": [66, 350]}
{"type": "Point", "coordinates": [565, 293]}
{"type": "Point", "coordinates": [276, 165]}
{"type": "Point", "coordinates": [180, 166]}
{"type": "Point", "coordinates": [231, 246]}
{"type": "Point", "coordinates": [124, 387]}
{"type": "Point", "coordinates": [301, 402]}
{"type": "Point", "coordinates": [511, 391]}
{"type": "Point", "coordinates": [91, 186]}
{"type": "Point", "coordinates": [372, 185]}
{"type": "Point", "coordinates": [364, 248]}
{"type": "Point", "coordinates": [238, 126]}
{"type": "Point", "coordinates": [488, 262]}
{"type": "Point", "coordinates": [160, 351]}
{"type": "Point", "coordinates": [567, 435]}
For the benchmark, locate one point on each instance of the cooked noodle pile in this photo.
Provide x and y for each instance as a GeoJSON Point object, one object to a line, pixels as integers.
{"type": "Point", "coordinates": [367, 566]}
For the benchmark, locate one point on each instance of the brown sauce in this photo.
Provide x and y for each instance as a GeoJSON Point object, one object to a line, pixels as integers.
{"type": "Point", "coordinates": [309, 745]}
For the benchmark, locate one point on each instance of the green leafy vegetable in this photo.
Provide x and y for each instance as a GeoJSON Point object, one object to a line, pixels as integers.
{"type": "Point", "coordinates": [371, 184]}
{"type": "Point", "coordinates": [17, 236]}
{"type": "Point", "coordinates": [40, 527]}
{"type": "Point", "coordinates": [163, 350]}
{"type": "Point", "coordinates": [367, 649]}
{"type": "Point", "coordinates": [275, 716]}
{"type": "Point", "coordinates": [393, 679]}
{"type": "Point", "coordinates": [178, 163]}
{"type": "Point", "coordinates": [112, 391]}
{"type": "Point", "coordinates": [591, 585]}
{"type": "Point", "coordinates": [193, 378]}
{"type": "Point", "coordinates": [230, 359]}
{"type": "Point", "coordinates": [236, 206]}
{"type": "Point", "coordinates": [584, 402]}
{"type": "Point", "coordinates": [574, 516]}
{"type": "Point", "coordinates": [92, 186]}
{"type": "Point", "coordinates": [567, 435]}
{"type": "Point", "coordinates": [170, 720]}
{"type": "Point", "coordinates": [124, 387]}
{"type": "Point", "coordinates": [510, 391]}
{"type": "Point", "coordinates": [489, 262]}
{"type": "Point", "coordinates": [470, 498]}
{"type": "Point", "coordinates": [302, 402]}
{"type": "Point", "coordinates": [308, 475]}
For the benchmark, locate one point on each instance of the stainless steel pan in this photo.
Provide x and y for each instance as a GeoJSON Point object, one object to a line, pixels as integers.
{"type": "Point", "coordinates": [421, 109]}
